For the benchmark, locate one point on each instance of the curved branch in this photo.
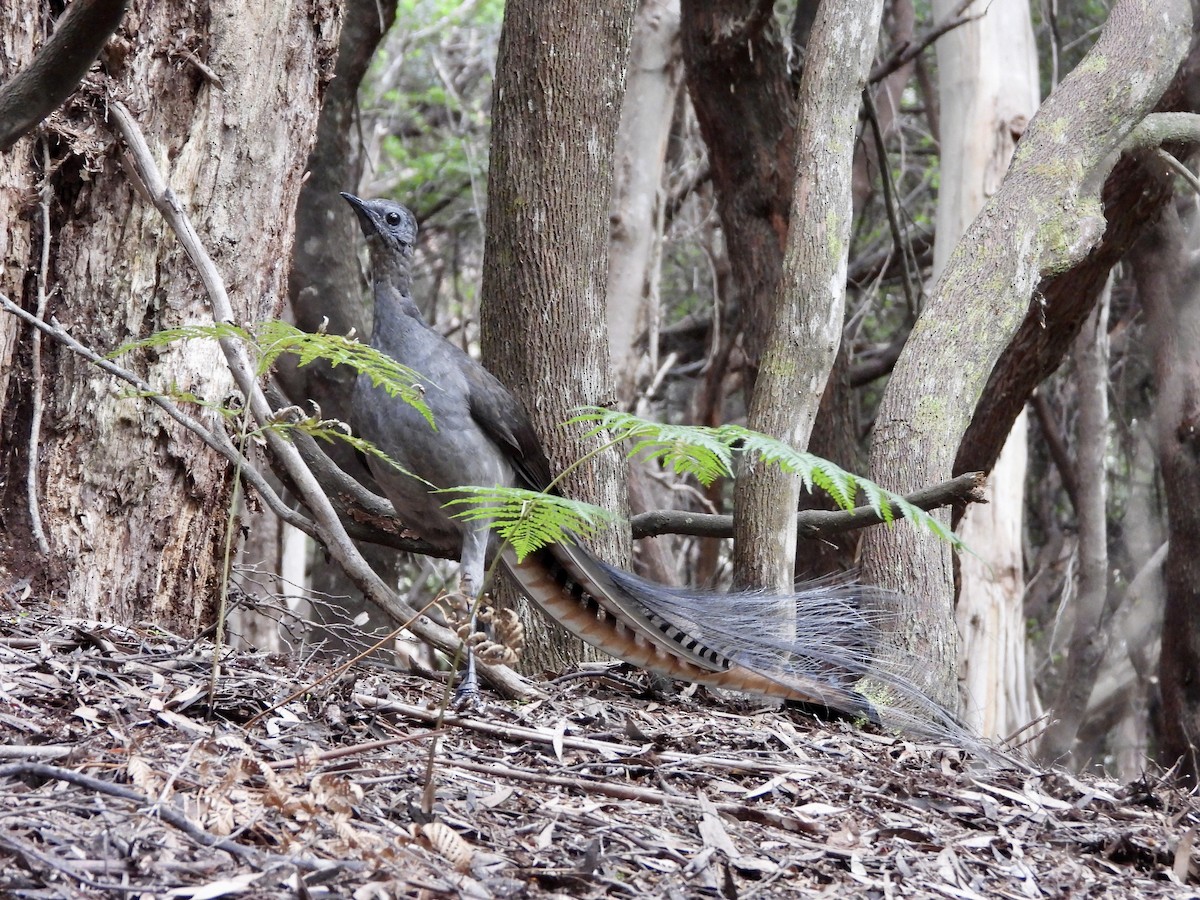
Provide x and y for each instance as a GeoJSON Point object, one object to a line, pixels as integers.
{"type": "Point", "coordinates": [42, 86]}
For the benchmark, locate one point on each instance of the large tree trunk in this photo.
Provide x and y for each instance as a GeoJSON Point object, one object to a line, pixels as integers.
{"type": "Point", "coordinates": [1133, 195]}
{"type": "Point", "coordinates": [1045, 218]}
{"type": "Point", "coordinates": [559, 85]}
{"type": "Point", "coordinates": [988, 92]}
{"type": "Point", "coordinates": [134, 511]}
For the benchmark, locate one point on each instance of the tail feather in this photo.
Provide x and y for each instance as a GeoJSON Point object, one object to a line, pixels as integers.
{"type": "Point", "coordinates": [684, 634]}
{"type": "Point", "coordinates": [834, 643]}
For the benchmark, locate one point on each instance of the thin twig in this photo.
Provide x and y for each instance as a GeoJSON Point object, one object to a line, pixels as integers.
{"type": "Point", "coordinates": [899, 235]}
{"type": "Point", "coordinates": [334, 673]}
{"type": "Point", "coordinates": [63, 868]}
{"type": "Point", "coordinates": [342, 752]}
{"type": "Point", "coordinates": [606, 749]}
{"type": "Point", "coordinates": [740, 811]}
{"type": "Point", "coordinates": [35, 350]}
{"type": "Point", "coordinates": [168, 814]}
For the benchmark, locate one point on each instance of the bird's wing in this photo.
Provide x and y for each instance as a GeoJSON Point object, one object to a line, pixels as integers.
{"type": "Point", "coordinates": [502, 418]}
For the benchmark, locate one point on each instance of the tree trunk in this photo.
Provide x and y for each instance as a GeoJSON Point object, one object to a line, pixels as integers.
{"type": "Point", "coordinates": [738, 82]}
{"type": "Point", "coordinates": [807, 310]}
{"type": "Point", "coordinates": [988, 91]}
{"type": "Point", "coordinates": [134, 511]}
{"type": "Point", "coordinates": [1089, 636]}
{"type": "Point", "coordinates": [1045, 217]}
{"type": "Point", "coordinates": [1133, 195]}
{"type": "Point", "coordinates": [1169, 288]}
{"type": "Point", "coordinates": [559, 85]}
{"type": "Point", "coordinates": [635, 254]}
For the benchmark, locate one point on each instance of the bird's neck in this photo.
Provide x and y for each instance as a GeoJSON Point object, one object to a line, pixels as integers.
{"type": "Point", "coordinates": [396, 314]}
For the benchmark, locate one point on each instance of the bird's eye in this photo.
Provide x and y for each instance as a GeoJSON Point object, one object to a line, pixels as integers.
{"type": "Point", "coordinates": [392, 218]}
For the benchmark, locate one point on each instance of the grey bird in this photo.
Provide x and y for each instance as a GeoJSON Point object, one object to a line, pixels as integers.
{"type": "Point", "coordinates": [483, 436]}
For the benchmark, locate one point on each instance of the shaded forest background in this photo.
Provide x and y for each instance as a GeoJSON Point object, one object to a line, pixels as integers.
{"type": "Point", "coordinates": [696, 243]}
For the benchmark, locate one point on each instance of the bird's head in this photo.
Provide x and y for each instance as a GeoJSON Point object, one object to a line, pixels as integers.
{"type": "Point", "coordinates": [387, 225]}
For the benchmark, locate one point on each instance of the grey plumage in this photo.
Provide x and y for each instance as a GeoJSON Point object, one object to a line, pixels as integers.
{"type": "Point", "coordinates": [481, 434]}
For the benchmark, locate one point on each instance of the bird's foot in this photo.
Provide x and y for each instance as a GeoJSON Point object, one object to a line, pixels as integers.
{"type": "Point", "coordinates": [467, 696]}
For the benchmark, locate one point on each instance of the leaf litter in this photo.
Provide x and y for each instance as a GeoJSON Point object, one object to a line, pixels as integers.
{"type": "Point", "coordinates": [115, 781]}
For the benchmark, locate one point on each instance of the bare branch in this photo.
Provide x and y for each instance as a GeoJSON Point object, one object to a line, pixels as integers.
{"type": "Point", "coordinates": [35, 364]}
{"type": "Point", "coordinates": [811, 523]}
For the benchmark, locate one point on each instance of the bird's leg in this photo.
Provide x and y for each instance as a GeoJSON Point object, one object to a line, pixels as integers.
{"type": "Point", "coordinates": [470, 585]}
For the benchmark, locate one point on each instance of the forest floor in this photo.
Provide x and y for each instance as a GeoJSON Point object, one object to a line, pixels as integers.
{"type": "Point", "coordinates": [116, 780]}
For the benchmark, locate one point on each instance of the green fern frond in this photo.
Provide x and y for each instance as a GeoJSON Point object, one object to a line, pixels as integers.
{"type": "Point", "coordinates": [215, 332]}
{"type": "Point", "coordinates": [276, 338]}
{"type": "Point", "coordinates": [926, 521]}
{"type": "Point", "coordinates": [684, 449]}
{"type": "Point", "coordinates": [880, 501]}
{"type": "Point", "coordinates": [272, 338]}
{"type": "Point", "coordinates": [706, 453]}
{"type": "Point", "coordinates": [330, 430]}
{"type": "Point", "coordinates": [527, 520]}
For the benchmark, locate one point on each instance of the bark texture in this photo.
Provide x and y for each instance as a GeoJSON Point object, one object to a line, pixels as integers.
{"type": "Point", "coordinates": [1045, 218]}
{"type": "Point", "coordinates": [557, 99]}
{"type": "Point", "coordinates": [988, 91]}
{"type": "Point", "coordinates": [60, 64]}
{"type": "Point", "coordinates": [227, 95]}
{"type": "Point", "coordinates": [1134, 194]}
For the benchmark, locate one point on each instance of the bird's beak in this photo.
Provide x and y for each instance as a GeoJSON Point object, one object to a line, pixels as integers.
{"type": "Point", "coordinates": [365, 222]}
